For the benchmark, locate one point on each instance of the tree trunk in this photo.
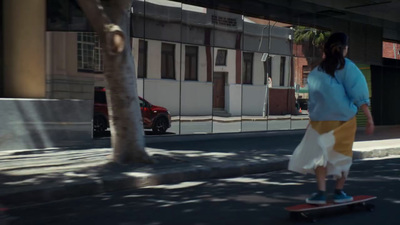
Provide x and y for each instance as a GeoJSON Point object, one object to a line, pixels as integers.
{"type": "Point", "coordinates": [110, 19]}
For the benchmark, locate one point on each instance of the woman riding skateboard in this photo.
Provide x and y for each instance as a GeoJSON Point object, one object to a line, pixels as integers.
{"type": "Point", "coordinates": [337, 89]}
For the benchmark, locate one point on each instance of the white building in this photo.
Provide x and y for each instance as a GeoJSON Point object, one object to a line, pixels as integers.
{"type": "Point", "coordinates": [227, 69]}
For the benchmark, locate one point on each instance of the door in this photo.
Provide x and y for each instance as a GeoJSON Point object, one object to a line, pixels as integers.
{"type": "Point", "coordinates": [385, 94]}
{"type": "Point", "coordinates": [219, 91]}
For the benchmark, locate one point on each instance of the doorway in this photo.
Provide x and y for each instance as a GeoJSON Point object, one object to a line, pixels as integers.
{"type": "Point", "coordinates": [219, 91]}
{"type": "Point", "coordinates": [385, 92]}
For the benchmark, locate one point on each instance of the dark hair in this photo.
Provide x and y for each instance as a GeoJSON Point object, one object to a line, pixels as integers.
{"type": "Point", "coordinates": [333, 49]}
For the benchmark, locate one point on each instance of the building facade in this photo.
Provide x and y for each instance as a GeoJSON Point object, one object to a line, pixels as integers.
{"type": "Point", "coordinates": [217, 66]}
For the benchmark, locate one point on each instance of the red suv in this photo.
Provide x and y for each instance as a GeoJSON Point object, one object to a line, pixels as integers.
{"type": "Point", "coordinates": [154, 117]}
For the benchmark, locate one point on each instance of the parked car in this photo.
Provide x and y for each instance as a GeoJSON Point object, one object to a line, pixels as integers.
{"type": "Point", "coordinates": [154, 117]}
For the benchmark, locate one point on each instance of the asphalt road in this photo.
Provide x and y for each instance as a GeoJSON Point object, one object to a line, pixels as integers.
{"type": "Point", "coordinates": [255, 199]}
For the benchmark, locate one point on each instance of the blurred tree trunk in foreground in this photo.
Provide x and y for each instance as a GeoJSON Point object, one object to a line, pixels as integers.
{"type": "Point", "coordinates": [110, 20]}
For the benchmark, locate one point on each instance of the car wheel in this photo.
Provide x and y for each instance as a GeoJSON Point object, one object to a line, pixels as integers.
{"type": "Point", "coordinates": [160, 125]}
{"type": "Point", "coordinates": [99, 124]}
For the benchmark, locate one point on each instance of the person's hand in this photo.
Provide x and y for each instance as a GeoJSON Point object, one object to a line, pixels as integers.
{"type": "Point", "coordinates": [369, 129]}
{"type": "Point", "coordinates": [370, 122]}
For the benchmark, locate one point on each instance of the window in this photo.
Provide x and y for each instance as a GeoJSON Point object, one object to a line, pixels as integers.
{"type": "Point", "coordinates": [191, 56]}
{"type": "Point", "coordinates": [267, 69]}
{"type": "Point", "coordinates": [167, 61]}
{"type": "Point", "coordinates": [142, 61]}
{"type": "Point", "coordinates": [247, 68]}
{"type": "Point", "coordinates": [221, 58]}
{"type": "Point", "coordinates": [282, 75]}
{"type": "Point", "coordinates": [89, 53]}
{"type": "Point", "coordinates": [306, 71]}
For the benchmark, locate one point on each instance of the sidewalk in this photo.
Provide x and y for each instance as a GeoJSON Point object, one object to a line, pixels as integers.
{"type": "Point", "coordinates": [300, 116]}
{"type": "Point", "coordinates": [34, 176]}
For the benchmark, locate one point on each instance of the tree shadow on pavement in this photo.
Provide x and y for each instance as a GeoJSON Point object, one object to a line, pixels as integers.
{"type": "Point", "coordinates": [256, 199]}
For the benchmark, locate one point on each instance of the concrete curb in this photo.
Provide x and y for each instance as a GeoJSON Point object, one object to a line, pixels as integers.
{"type": "Point", "coordinates": [234, 119]}
{"type": "Point", "coordinates": [132, 180]}
{"type": "Point", "coordinates": [376, 153]}
{"type": "Point", "coordinates": [218, 136]}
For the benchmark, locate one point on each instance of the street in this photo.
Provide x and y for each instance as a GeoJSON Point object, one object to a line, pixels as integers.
{"type": "Point", "coordinates": [253, 199]}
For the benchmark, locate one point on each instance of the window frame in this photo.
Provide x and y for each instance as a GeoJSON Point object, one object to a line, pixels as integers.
{"type": "Point", "coordinates": [282, 71]}
{"type": "Point", "coordinates": [168, 61]}
{"type": "Point", "coordinates": [267, 69]}
{"type": "Point", "coordinates": [248, 59]}
{"type": "Point", "coordinates": [220, 60]}
{"type": "Point", "coordinates": [89, 53]}
{"type": "Point", "coordinates": [190, 59]}
{"type": "Point", "coordinates": [142, 60]}
{"type": "Point", "coordinates": [304, 76]}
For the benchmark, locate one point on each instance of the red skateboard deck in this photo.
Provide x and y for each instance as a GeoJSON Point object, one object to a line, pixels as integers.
{"type": "Point", "coordinates": [310, 207]}
{"type": "Point", "coordinates": [303, 209]}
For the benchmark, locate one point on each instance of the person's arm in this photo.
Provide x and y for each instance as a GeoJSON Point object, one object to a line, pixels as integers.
{"type": "Point", "coordinates": [355, 85]}
{"type": "Point", "coordinates": [370, 122]}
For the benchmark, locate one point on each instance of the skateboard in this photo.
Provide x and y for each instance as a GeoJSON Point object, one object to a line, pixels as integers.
{"type": "Point", "coordinates": [305, 210]}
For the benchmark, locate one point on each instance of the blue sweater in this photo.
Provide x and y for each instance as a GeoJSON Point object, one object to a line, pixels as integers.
{"type": "Point", "coordinates": [336, 98]}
